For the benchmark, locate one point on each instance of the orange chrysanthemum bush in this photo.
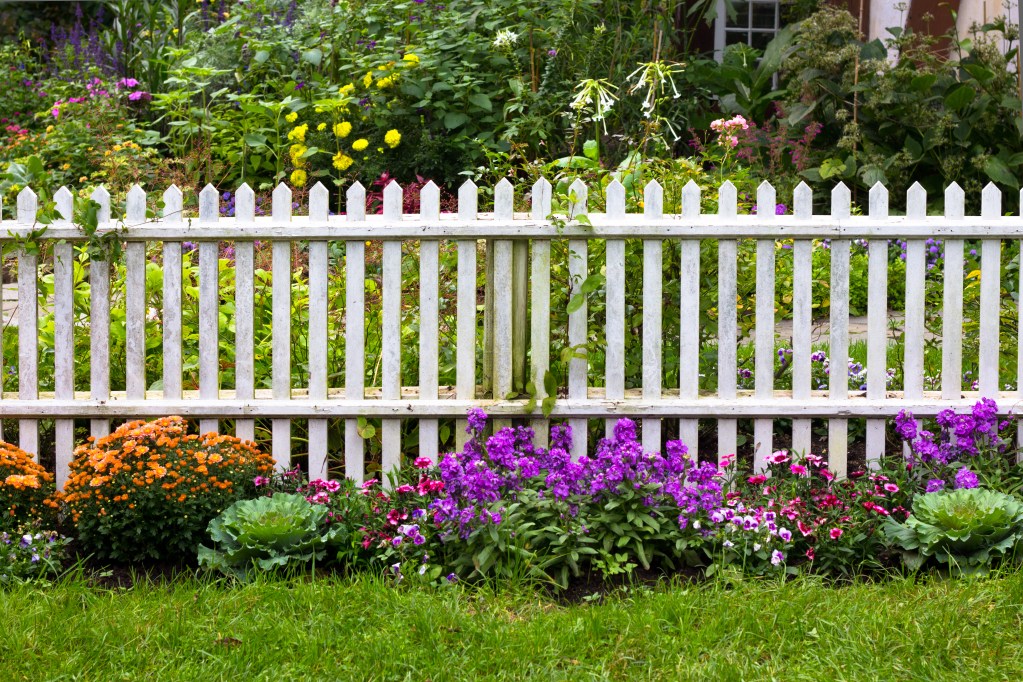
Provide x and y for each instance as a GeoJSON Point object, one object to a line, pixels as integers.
{"type": "Point", "coordinates": [26, 489]}
{"type": "Point", "coordinates": [148, 490]}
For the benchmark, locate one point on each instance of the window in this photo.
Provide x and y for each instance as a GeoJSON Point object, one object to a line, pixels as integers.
{"type": "Point", "coordinates": [755, 23]}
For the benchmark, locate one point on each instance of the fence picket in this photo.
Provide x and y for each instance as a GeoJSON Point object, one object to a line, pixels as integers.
{"type": "Point", "coordinates": [952, 310]}
{"type": "Point", "coordinates": [578, 270]}
{"type": "Point", "coordinates": [465, 361]}
{"type": "Point", "coordinates": [728, 335]}
{"type": "Point", "coordinates": [63, 338]}
{"type": "Point", "coordinates": [540, 305]}
{"type": "Point", "coordinates": [916, 264]}
{"type": "Point", "coordinates": [802, 318]}
{"type": "Point", "coordinates": [877, 323]}
{"type": "Point", "coordinates": [689, 311]}
{"type": "Point", "coordinates": [28, 325]}
{"type": "Point", "coordinates": [763, 429]}
{"type": "Point", "coordinates": [653, 329]}
{"type": "Point", "coordinates": [171, 314]}
{"type": "Point", "coordinates": [355, 332]}
{"type": "Point", "coordinates": [503, 315]}
{"type": "Point", "coordinates": [209, 307]}
{"type": "Point", "coordinates": [135, 299]}
{"type": "Point", "coordinates": [429, 306]}
{"type": "Point", "coordinates": [99, 322]}
{"type": "Point", "coordinates": [319, 199]}
{"type": "Point", "coordinates": [614, 357]}
{"type": "Point", "coordinates": [244, 295]}
{"type": "Point", "coordinates": [990, 296]}
{"type": "Point", "coordinates": [838, 342]}
{"type": "Point", "coordinates": [390, 388]}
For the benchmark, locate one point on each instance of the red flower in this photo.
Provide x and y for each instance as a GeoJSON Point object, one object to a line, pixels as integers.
{"type": "Point", "coordinates": [803, 528]}
{"type": "Point", "coordinates": [810, 554]}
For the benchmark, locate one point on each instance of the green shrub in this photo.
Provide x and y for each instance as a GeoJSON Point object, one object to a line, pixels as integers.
{"type": "Point", "coordinates": [148, 490]}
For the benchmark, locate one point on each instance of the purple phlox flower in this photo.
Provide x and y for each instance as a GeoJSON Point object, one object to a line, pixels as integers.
{"type": "Point", "coordinates": [934, 485]}
{"type": "Point", "coordinates": [966, 479]}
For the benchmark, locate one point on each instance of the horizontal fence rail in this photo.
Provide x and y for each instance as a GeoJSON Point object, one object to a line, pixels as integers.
{"type": "Point", "coordinates": [512, 253]}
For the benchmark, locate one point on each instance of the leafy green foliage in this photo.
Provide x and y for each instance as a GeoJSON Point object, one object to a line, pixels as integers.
{"type": "Point", "coordinates": [266, 533]}
{"type": "Point", "coordinates": [968, 529]}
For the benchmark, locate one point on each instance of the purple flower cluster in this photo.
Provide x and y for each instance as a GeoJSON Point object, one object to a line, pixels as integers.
{"type": "Point", "coordinates": [961, 436]}
{"type": "Point", "coordinates": [482, 475]}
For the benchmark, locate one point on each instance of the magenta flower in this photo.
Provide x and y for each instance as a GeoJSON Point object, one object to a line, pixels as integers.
{"type": "Point", "coordinates": [798, 469]}
{"type": "Point", "coordinates": [836, 533]}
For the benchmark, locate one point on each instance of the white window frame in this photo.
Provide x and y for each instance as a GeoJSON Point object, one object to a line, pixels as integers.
{"type": "Point", "coordinates": [720, 28]}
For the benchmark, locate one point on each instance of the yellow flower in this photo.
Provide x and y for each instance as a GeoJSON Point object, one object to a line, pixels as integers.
{"type": "Point", "coordinates": [49, 129]}
{"type": "Point", "coordinates": [298, 177]}
{"type": "Point", "coordinates": [298, 133]}
{"type": "Point", "coordinates": [296, 151]}
{"type": "Point", "coordinates": [385, 82]}
{"type": "Point", "coordinates": [342, 129]}
{"type": "Point", "coordinates": [66, 166]}
{"type": "Point", "coordinates": [412, 59]}
{"type": "Point", "coordinates": [367, 80]}
{"type": "Point", "coordinates": [321, 127]}
{"type": "Point", "coordinates": [345, 89]}
{"type": "Point", "coordinates": [392, 138]}
{"type": "Point", "coordinates": [360, 144]}
{"type": "Point", "coordinates": [292, 117]}
{"type": "Point", "coordinates": [342, 161]}
{"type": "Point", "coordinates": [83, 179]}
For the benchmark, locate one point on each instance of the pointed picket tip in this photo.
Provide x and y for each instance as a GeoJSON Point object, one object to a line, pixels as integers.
{"type": "Point", "coordinates": [209, 203]}
{"type": "Point", "coordinates": [393, 195]}
{"type": "Point", "coordinates": [429, 201]}
{"type": "Point", "coordinates": [504, 199]}
{"type": "Point", "coordinates": [355, 201]}
{"type": "Point", "coordinates": [727, 199]}
{"type": "Point", "coordinates": [28, 205]}
{"type": "Point", "coordinates": [955, 201]}
{"type": "Point", "coordinates": [172, 202]}
{"type": "Point", "coordinates": [135, 205]}
{"type": "Point", "coordinates": [281, 198]}
{"type": "Point", "coordinates": [542, 191]}
{"type": "Point", "coordinates": [691, 199]}
{"type": "Point", "coordinates": [577, 198]}
{"type": "Point", "coordinates": [990, 201]}
{"type": "Point", "coordinates": [841, 200]}
{"type": "Point", "coordinates": [653, 200]}
{"type": "Point", "coordinates": [766, 199]}
{"type": "Point", "coordinates": [65, 202]}
{"type": "Point", "coordinates": [319, 202]}
{"type": "Point", "coordinates": [802, 200]}
{"type": "Point", "coordinates": [878, 201]}
{"type": "Point", "coordinates": [615, 204]}
{"type": "Point", "coordinates": [468, 196]}
{"type": "Point", "coordinates": [244, 204]}
{"type": "Point", "coordinates": [916, 201]}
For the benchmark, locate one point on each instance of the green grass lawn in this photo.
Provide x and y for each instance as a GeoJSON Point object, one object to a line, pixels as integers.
{"type": "Point", "coordinates": [365, 630]}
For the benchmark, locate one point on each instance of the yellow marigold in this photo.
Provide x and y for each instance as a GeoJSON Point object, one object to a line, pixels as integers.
{"type": "Point", "coordinates": [321, 127]}
{"type": "Point", "coordinates": [367, 80]}
{"type": "Point", "coordinates": [412, 59]}
{"type": "Point", "coordinates": [360, 144]}
{"type": "Point", "coordinates": [385, 82]}
{"type": "Point", "coordinates": [292, 117]}
{"type": "Point", "coordinates": [392, 138]}
{"type": "Point", "coordinates": [342, 129]}
{"type": "Point", "coordinates": [298, 177]}
{"type": "Point", "coordinates": [66, 166]}
{"type": "Point", "coordinates": [296, 151]}
{"type": "Point", "coordinates": [342, 161]}
{"type": "Point", "coordinates": [297, 134]}
{"type": "Point", "coordinates": [345, 89]}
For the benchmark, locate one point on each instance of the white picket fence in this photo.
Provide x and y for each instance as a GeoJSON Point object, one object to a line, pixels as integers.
{"type": "Point", "coordinates": [508, 235]}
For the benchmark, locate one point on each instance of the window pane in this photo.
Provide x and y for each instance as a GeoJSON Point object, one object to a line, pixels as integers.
{"type": "Point", "coordinates": [760, 40]}
{"type": "Point", "coordinates": [733, 37]}
{"type": "Point", "coordinates": [764, 15]}
{"type": "Point", "coordinates": [741, 16]}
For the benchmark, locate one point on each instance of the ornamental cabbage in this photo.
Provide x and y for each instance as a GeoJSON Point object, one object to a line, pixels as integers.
{"type": "Point", "coordinates": [968, 529]}
{"type": "Point", "coordinates": [266, 533]}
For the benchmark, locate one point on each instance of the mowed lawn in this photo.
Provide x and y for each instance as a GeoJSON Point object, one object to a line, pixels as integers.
{"type": "Point", "coordinates": [365, 630]}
